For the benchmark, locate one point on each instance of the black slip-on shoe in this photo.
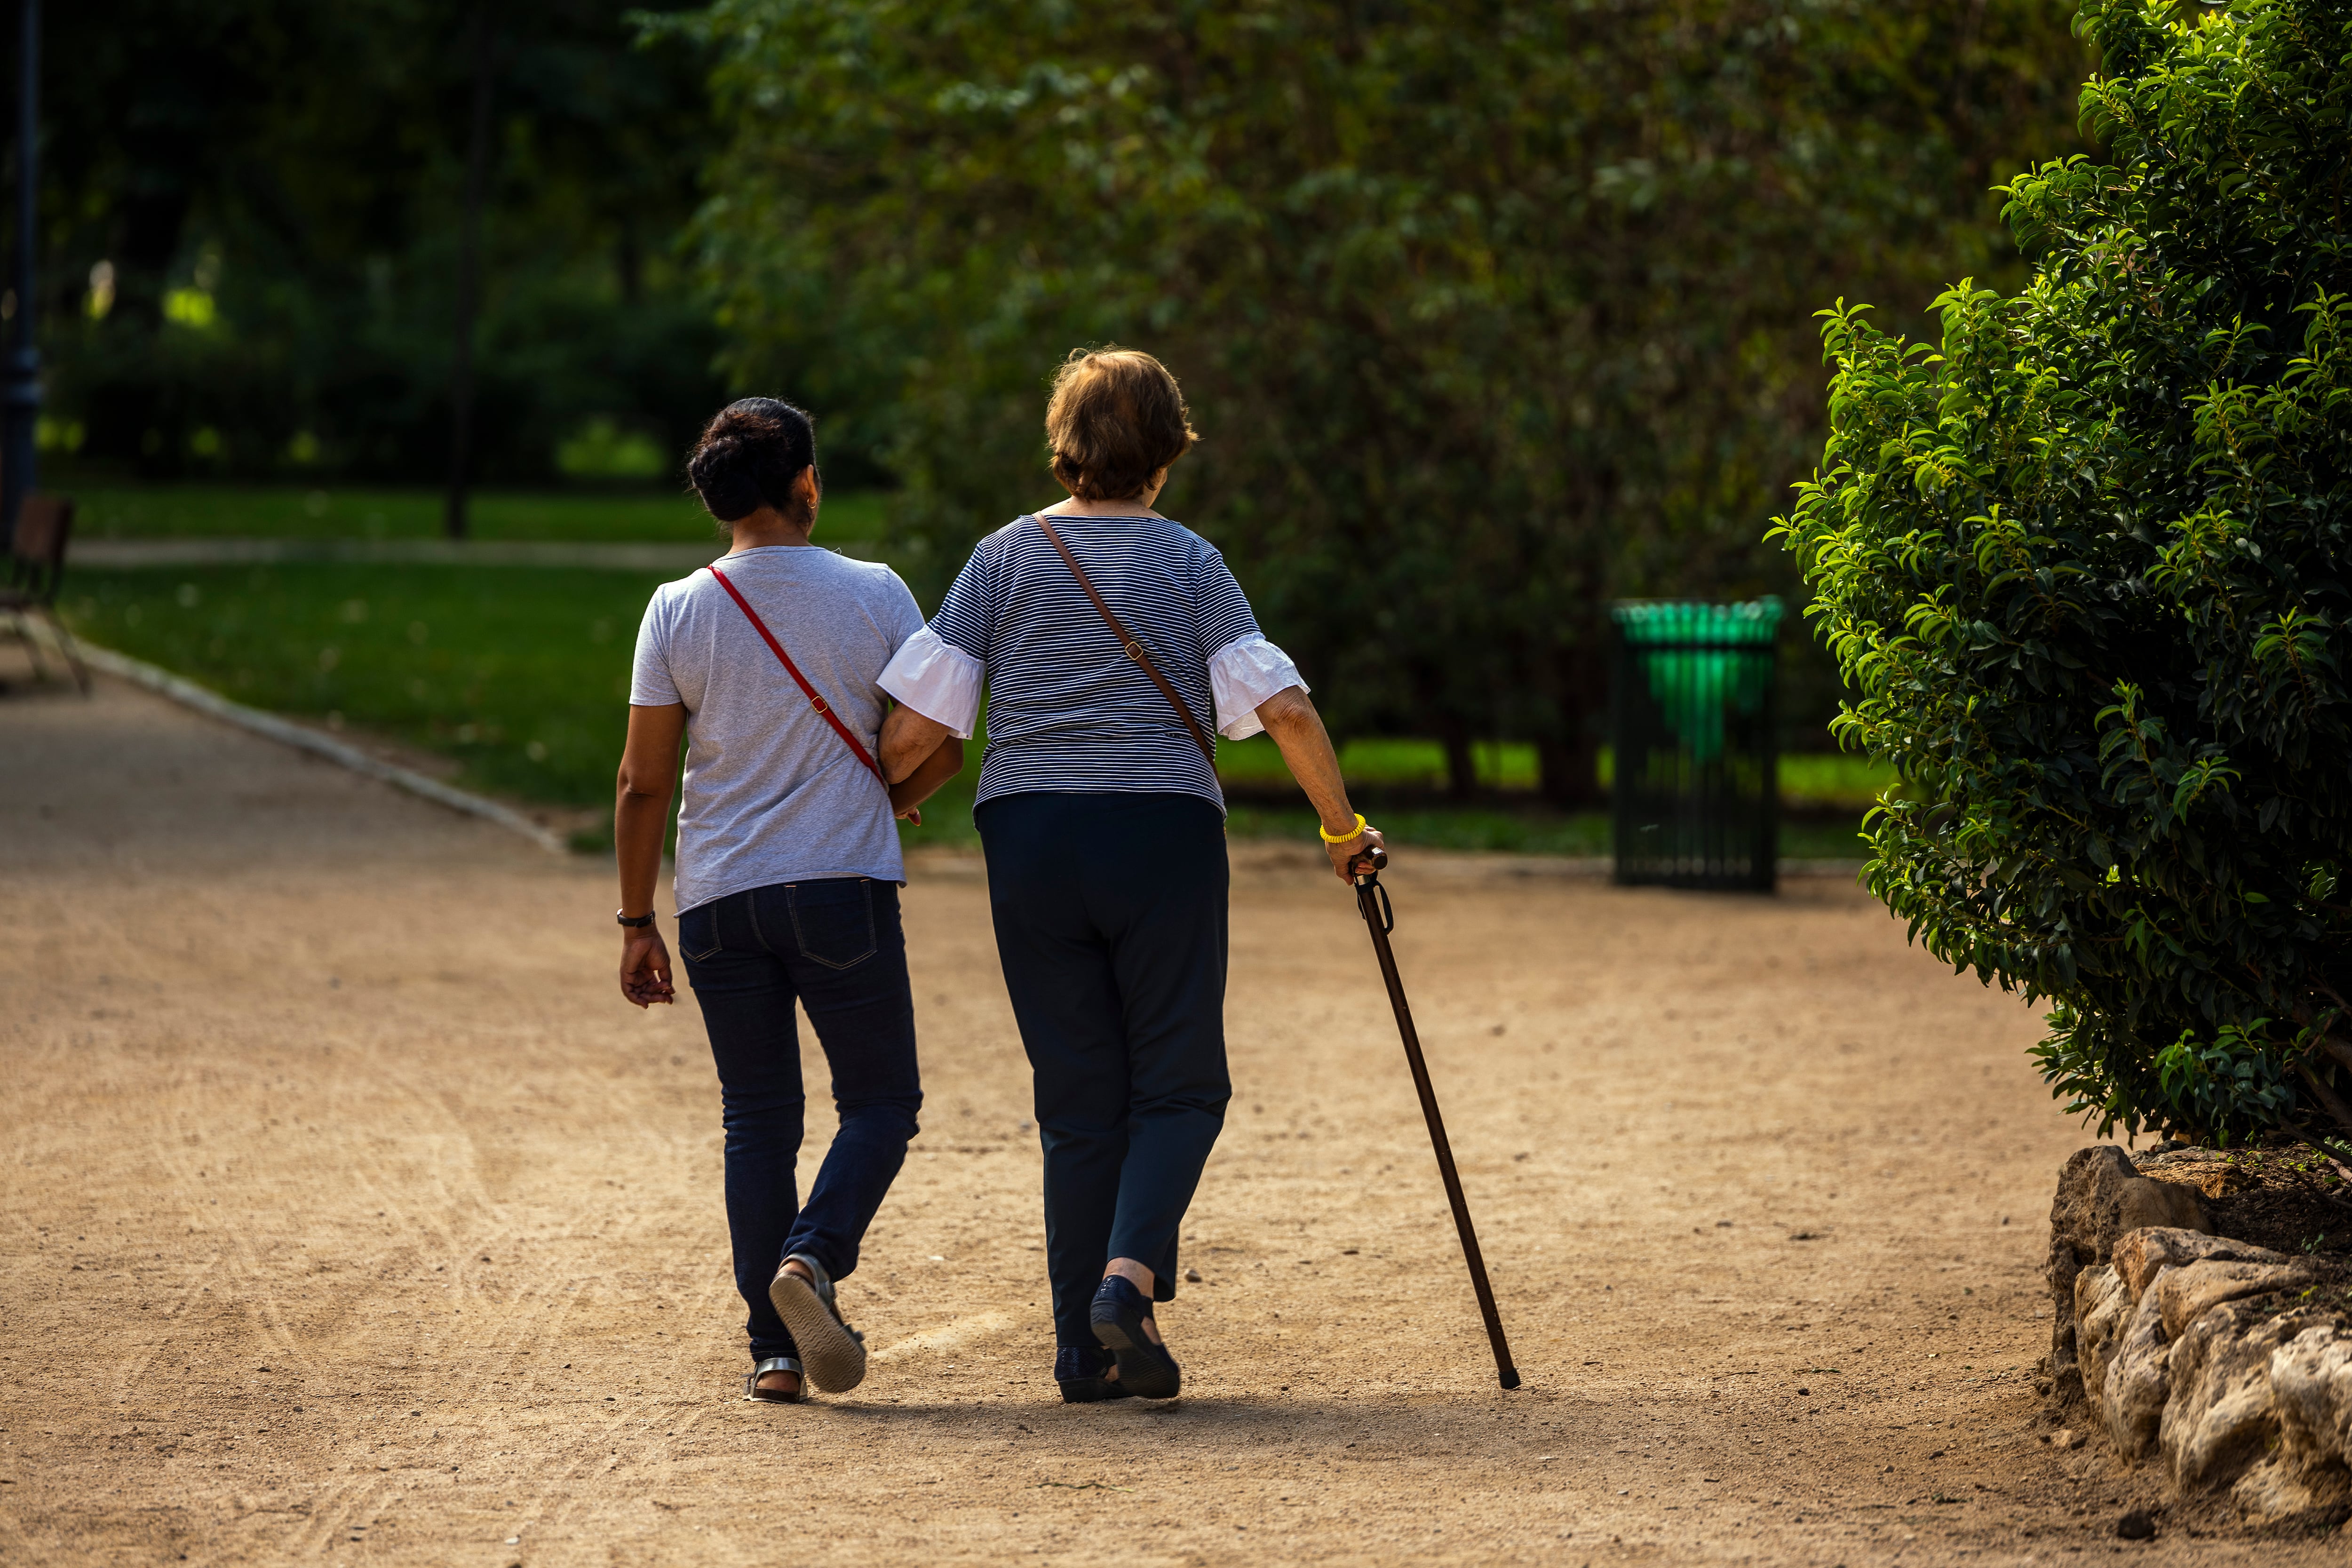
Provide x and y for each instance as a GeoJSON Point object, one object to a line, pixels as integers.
{"type": "Point", "coordinates": [1083, 1372]}
{"type": "Point", "coordinates": [1146, 1369]}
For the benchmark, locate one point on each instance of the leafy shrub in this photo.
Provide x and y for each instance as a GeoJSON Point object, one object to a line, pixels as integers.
{"type": "Point", "coordinates": [2086, 565]}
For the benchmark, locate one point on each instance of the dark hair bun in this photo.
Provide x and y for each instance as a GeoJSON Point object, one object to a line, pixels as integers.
{"type": "Point", "coordinates": [751, 455]}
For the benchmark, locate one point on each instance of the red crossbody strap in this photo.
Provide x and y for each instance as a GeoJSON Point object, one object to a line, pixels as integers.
{"type": "Point", "coordinates": [823, 708]}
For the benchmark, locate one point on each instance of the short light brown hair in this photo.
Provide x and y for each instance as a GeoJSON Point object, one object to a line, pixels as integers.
{"type": "Point", "coordinates": [1116, 418]}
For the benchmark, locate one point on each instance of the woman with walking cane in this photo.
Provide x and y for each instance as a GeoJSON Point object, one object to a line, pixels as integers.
{"type": "Point", "coordinates": [1104, 633]}
{"type": "Point", "coordinates": [788, 871]}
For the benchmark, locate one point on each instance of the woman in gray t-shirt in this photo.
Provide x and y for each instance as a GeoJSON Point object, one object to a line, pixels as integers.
{"type": "Point", "coordinates": [765, 663]}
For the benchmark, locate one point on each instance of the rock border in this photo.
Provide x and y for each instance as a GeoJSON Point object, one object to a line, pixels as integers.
{"type": "Point", "coordinates": [2228, 1365]}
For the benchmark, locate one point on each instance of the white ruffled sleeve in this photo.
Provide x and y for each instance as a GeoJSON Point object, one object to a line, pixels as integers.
{"type": "Point", "coordinates": [1243, 674]}
{"type": "Point", "coordinates": [936, 679]}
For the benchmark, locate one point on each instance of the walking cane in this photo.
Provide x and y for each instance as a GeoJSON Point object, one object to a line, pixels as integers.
{"type": "Point", "coordinates": [1380, 918]}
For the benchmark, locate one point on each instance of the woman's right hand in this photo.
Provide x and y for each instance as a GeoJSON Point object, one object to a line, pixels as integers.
{"type": "Point", "coordinates": [644, 967]}
{"type": "Point", "coordinates": [1344, 856]}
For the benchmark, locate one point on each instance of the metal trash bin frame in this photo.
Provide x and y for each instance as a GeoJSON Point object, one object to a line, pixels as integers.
{"type": "Point", "coordinates": [1695, 727]}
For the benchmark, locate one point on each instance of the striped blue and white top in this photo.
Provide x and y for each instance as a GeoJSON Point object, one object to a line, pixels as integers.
{"type": "Point", "coordinates": [1068, 709]}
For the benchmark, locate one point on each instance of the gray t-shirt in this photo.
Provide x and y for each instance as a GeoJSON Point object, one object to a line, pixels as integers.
{"type": "Point", "coordinates": [772, 793]}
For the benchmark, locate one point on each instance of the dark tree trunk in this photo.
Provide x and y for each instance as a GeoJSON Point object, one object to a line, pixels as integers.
{"type": "Point", "coordinates": [470, 267]}
{"type": "Point", "coordinates": [1460, 759]}
{"type": "Point", "coordinates": [22, 395]}
{"type": "Point", "coordinates": [629, 263]}
{"type": "Point", "coordinates": [1568, 760]}
{"type": "Point", "coordinates": [1567, 769]}
{"type": "Point", "coordinates": [127, 418]}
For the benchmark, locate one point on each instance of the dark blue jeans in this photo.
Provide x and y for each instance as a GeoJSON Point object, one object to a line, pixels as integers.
{"type": "Point", "coordinates": [1110, 921]}
{"type": "Point", "coordinates": [836, 947]}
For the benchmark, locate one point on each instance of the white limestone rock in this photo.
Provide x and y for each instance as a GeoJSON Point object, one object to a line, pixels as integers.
{"type": "Point", "coordinates": [2131, 1395]}
{"type": "Point", "coordinates": [2278, 1488]}
{"type": "Point", "coordinates": [2101, 1199]}
{"type": "Point", "coordinates": [2189, 1292]}
{"type": "Point", "coordinates": [2311, 1377]}
{"type": "Point", "coordinates": [2139, 1254]}
{"type": "Point", "coordinates": [2220, 1416]}
{"type": "Point", "coordinates": [2103, 1306]}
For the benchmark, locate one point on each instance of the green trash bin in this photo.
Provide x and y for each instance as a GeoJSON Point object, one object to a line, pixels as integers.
{"type": "Point", "coordinates": [1695, 788]}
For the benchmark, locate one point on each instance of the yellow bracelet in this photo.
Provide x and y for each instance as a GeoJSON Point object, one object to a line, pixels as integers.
{"type": "Point", "coordinates": [1353, 833]}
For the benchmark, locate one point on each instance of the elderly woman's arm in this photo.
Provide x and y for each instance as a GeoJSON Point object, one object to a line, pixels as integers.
{"type": "Point", "coordinates": [1290, 718]}
{"type": "Point", "coordinates": [922, 784]}
{"type": "Point", "coordinates": [909, 739]}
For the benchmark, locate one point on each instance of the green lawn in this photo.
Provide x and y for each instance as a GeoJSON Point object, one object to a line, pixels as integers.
{"type": "Point", "coordinates": [1832, 784]}
{"type": "Point", "coordinates": [256, 511]}
{"type": "Point", "coordinates": [1808, 779]}
{"type": "Point", "coordinates": [523, 679]}
{"type": "Point", "coordinates": [1525, 831]}
{"type": "Point", "coordinates": [522, 676]}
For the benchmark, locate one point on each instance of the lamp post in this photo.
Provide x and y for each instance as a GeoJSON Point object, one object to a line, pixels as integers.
{"type": "Point", "coordinates": [20, 398]}
{"type": "Point", "coordinates": [469, 282]}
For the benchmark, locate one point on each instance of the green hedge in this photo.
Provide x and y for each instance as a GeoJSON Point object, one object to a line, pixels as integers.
{"type": "Point", "coordinates": [2085, 560]}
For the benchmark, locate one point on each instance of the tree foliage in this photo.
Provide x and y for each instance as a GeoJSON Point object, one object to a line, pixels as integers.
{"type": "Point", "coordinates": [2085, 561]}
{"type": "Point", "coordinates": [1488, 312]}
{"type": "Point", "coordinates": [249, 229]}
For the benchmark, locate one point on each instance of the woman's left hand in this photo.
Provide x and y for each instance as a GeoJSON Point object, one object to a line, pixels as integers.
{"type": "Point", "coordinates": [1345, 856]}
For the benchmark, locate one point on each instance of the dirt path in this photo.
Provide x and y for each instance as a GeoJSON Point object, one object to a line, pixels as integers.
{"type": "Point", "coordinates": [350, 1216]}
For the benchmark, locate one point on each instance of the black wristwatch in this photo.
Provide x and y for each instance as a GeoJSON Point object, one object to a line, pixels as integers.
{"type": "Point", "coordinates": [639, 921]}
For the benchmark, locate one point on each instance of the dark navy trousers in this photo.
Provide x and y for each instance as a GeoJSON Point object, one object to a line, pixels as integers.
{"type": "Point", "coordinates": [1110, 923]}
{"type": "Point", "coordinates": [835, 947]}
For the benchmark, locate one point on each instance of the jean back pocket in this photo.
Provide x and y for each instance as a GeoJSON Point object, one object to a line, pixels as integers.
{"type": "Point", "coordinates": [698, 934]}
{"type": "Point", "coordinates": [833, 921]}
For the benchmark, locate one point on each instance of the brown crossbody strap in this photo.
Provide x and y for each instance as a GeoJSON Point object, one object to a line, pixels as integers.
{"type": "Point", "coordinates": [1134, 649]}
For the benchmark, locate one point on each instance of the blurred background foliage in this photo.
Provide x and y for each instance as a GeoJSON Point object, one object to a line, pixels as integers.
{"type": "Point", "coordinates": [251, 215]}
{"type": "Point", "coordinates": [1490, 312]}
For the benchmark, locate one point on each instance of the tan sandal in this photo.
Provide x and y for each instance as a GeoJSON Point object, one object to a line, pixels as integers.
{"type": "Point", "coordinates": [835, 1352]}
{"type": "Point", "coordinates": [751, 1389]}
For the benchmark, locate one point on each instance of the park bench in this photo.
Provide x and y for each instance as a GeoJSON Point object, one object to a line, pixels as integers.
{"type": "Point", "coordinates": [35, 567]}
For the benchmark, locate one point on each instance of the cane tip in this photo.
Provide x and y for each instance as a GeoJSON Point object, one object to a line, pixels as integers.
{"type": "Point", "coordinates": [1510, 1377]}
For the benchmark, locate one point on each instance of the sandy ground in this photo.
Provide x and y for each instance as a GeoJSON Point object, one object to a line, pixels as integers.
{"type": "Point", "coordinates": [350, 1216]}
